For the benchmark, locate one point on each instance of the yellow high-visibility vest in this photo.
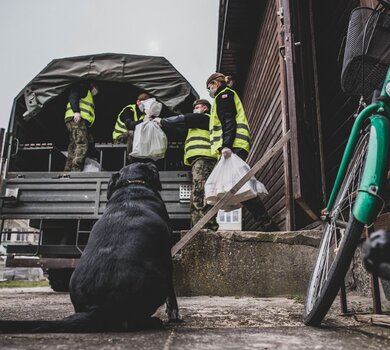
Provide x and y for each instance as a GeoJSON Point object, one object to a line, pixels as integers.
{"type": "Point", "coordinates": [87, 109]}
{"type": "Point", "coordinates": [197, 144]}
{"type": "Point", "coordinates": [120, 127]}
{"type": "Point", "coordinates": [242, 139]}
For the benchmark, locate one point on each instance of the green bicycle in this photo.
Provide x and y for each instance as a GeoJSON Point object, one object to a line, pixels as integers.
{"type": "Point", "coordinates": [356, 197]}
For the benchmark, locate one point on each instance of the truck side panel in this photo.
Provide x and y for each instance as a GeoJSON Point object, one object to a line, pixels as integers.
{"type": "Point", "coordinates": [80, 196]}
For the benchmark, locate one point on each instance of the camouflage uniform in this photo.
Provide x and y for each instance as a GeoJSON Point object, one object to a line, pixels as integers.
{"type": "Point", "coordinates": [201, 169]}
{"type": "Point", "coordinates": [127, 138]}
{"type": "Point", "coordinates": [78, 145]}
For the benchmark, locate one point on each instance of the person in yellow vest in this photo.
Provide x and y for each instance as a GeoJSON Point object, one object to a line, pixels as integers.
{"type": "Point", "coordinates": [230, 133]}
{"type": "Point", "coordinates": [79, 116]}
{"type": "Point", "coordinates": [197, 154]}
{"type": "Point", "coordinates": [127, 120]}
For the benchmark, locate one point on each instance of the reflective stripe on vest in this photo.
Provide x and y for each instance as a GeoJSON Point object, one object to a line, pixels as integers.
{"type": "Point", "coordinates": [242, 139]}
{"type": "Point", "coordinates": [197, 144]}
{"type": "Point", "coordinates": [120, 127]}
{"type": "Point", "coordinates": [87, 109]}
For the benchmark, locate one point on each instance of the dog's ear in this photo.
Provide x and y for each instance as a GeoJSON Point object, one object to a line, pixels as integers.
{"type": "Point", "coordinates": [153, 176]}
{"type": "Point", "coordinates": [112, 184]}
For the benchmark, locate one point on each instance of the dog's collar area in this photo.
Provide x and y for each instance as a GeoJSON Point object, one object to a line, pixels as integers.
{"type": "Point", "coordinates": [137, 182]}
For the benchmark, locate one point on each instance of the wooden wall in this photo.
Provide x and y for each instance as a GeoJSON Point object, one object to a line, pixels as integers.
{"type": "Point", "coordinates": [300, 181]}
{"type": "Point", "coordinates": [262, 100]}
{"type": "Point", "coordinates": [331, 21]}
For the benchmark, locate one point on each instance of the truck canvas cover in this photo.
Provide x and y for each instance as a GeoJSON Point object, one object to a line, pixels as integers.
{"type": "Point", "coordinates": [156, 75]}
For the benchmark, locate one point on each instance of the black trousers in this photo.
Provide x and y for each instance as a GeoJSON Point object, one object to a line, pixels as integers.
{"type": "Point", "coordinates": [255, 205]}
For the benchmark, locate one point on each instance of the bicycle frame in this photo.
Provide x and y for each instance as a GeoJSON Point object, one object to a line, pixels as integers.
{"type": "Point", "coordinates": [368, 202]}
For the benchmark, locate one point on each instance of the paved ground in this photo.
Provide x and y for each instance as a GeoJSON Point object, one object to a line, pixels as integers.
{"type": "Point", "coordinates": [210, 323]}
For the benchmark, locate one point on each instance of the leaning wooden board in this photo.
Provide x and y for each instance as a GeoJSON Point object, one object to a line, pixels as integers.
{"type": "Point", "coordinates": [225, 199]}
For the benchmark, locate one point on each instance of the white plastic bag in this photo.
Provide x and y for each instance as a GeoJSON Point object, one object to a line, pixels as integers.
{"type": "Point", "coordinates": [91, 165]}
{"type": "Point", "coordinates": [149, 141]}
{"type": "Point", "coordinates": [225, 175]}
{"type": "Point", "coordinates": [152, 107]}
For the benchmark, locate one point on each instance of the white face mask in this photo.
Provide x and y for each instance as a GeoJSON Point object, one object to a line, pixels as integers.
{"type": "Point", "coordinates": [141, 107]}
{"type": "Point", "coordinates": [212, 92]}
{"type": "Point", "coordinates": [94, 91]}
{"type": "Point", "coordinates": [197, 110]}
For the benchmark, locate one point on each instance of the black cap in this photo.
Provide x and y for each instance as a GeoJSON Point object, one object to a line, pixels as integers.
{"type": "Point", "coordinates": [215, 76]}
{"type": "Point", "coordinates": [202, 102]}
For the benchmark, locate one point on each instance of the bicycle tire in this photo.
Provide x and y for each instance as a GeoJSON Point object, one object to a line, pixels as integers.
{"type": "Point", "coordinates": [320, 295]}
{"type": "Point", "coordinates": [336, 276]}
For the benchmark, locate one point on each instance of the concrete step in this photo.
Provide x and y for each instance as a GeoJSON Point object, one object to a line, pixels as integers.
{"type": "Point", "coordinates": [246, 263]}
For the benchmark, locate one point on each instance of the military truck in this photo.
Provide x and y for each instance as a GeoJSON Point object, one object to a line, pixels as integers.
{"type": "Point", "coordinates": [63, 206]}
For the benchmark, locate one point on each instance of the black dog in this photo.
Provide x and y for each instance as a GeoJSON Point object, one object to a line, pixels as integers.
{"type": "Point", "coordinates": [125, 271]}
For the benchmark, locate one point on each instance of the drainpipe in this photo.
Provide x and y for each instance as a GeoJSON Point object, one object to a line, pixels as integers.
{"type": "Point", "coordinates": [223, 36]}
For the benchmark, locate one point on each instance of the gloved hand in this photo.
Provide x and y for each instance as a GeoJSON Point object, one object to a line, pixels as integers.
{"type": "Point", "coordinates": [157, 120]}
{"type": "Point", "coordinates": [77, 117]}
{"type": "Point", "coordinates": [226, 152]}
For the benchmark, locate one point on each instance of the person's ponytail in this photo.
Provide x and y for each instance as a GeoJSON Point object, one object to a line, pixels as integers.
{"type": "Point", "coordinates": [229, 80]}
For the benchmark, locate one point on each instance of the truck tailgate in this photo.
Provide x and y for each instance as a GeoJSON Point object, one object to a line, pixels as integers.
{"type": "Point", "coordinates": [43, 195]}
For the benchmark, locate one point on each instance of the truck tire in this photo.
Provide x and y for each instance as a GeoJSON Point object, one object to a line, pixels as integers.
{"type": "Point", "coordinates": [59, 279]}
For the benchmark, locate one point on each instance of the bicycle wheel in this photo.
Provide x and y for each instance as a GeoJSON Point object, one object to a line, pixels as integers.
{"type": "Point", "coordinates": [339, 241]}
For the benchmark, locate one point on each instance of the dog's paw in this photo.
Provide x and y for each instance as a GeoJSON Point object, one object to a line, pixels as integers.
{"type": "Point", "coordinates": [150, 323]}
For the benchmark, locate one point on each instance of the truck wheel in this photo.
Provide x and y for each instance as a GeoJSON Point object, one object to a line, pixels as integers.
{"type": "Point", "coordinates": [59, 279]}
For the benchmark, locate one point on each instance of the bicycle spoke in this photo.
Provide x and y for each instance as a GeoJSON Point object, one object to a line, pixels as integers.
{"type": "Point", "coordinates": [334, 231]}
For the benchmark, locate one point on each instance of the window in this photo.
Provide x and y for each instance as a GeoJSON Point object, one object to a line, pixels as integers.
{"type": "Point", "coordinates": [230, 220]}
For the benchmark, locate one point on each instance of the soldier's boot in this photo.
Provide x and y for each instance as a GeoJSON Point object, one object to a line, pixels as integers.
{"type": "Point", "coordinates": [212, 225]}
{"type": "Point", "coordinates": [198, 213]}
{"type": "Point", "coordinates": [260, 214]}
{"type": "Point", "coordinates": [68, 165]}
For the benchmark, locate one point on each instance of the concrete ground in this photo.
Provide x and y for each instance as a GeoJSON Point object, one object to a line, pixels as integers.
{"type": "Point", "coordinates": [210, 323]}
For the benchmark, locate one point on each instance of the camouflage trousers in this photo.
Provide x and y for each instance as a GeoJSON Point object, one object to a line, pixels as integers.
{"type": "Point", "coordinates": [78, 145]}
{"type": "Point", "coordinates": [126, 138]}
{"type": "Point", "coordinates": [201, 170]}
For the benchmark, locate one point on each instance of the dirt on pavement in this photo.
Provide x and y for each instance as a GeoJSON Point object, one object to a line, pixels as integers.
{"type": "Point", "coordinates": [209, 323]}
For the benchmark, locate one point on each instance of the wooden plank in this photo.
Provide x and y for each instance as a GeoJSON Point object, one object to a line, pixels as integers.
{"type": "Point", "coordinates": [225, 199]}
{"type": "Point", "coordinates": [56, 263]}
{"type": "Point", "coordinates": [290, 89]}
{"type": "Point", "coordinates": [383, 222]}
{"type": "Point", "coordinates": [262, 101]}
{"type": "Point", "coordinates": [289, 224]}
{"type": "Point", "coordinates": [379, 320]}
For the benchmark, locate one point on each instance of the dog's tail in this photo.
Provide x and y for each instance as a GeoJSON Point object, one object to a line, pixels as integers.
{"type": "Point", "coordinates": [81, 322]}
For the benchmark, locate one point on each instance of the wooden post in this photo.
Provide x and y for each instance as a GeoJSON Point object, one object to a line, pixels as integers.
{"type": "Point", "coordinates": [225, 199]}
{"type": "Point", "coordinates": [290, 222]}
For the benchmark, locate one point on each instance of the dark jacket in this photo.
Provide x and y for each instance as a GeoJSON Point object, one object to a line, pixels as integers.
{"type": "Point", "coordinates": [127, 117]}
{"type": "Point", "coordinates": [186, 121]}
{"type": "Point", "coordinates": [181, 123]}
{"type": "Point", "coordinates": [77, 92]}
{"type": "Point", "coordinates": [226, 111]}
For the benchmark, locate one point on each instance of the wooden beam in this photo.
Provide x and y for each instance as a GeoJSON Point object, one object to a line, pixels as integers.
{"type": "Point", "coordinates": [309, 212]}
{"type": "Point", "coordinates": [225, 199]}
{"type": "Point", "coordinates": [382, 222]}
{"type": "Point", "coordinates": [290, 217]}
{"type": "Point", "coordinates": [291, 100]}
{"type": "Point", "coordinates": [379, 320]}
